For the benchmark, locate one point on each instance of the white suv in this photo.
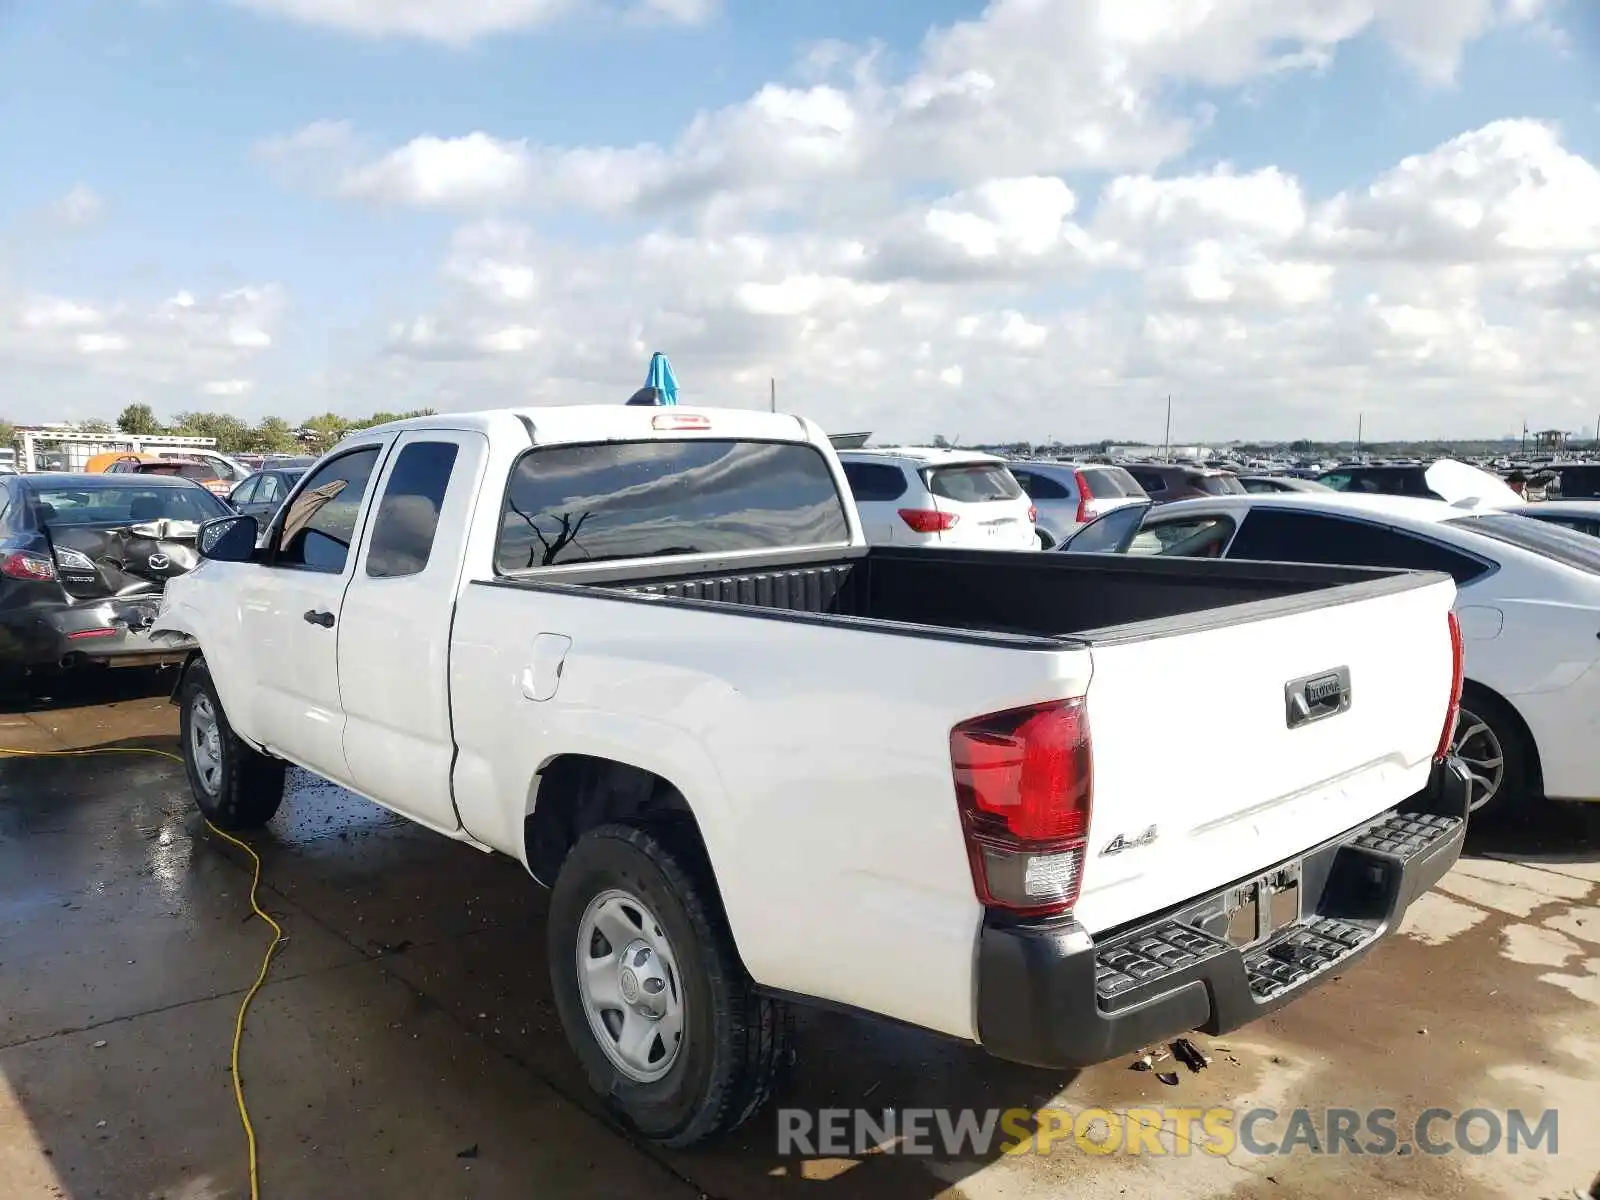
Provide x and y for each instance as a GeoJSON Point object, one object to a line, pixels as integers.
{"type": "Point", "coordinates": [918, 497]}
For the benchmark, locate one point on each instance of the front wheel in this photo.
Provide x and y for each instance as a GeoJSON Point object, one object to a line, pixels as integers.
{"type": "Point", "coordinates": [651, 993]}
{"type": "Point", "coordinates": [235, 786]}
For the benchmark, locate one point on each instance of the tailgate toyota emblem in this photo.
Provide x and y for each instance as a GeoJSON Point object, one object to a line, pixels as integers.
{"type": "Point", "coordinates": [159, 562]}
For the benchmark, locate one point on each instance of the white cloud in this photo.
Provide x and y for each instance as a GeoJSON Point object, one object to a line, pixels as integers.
{"type": "Point", "coordinates": [469, 171]}
{"type": "Point", "coordinates": [81, 205]}
{"type": "Point", "coordinates": [91, 358]}
{"type": "Point", "coordinates": [988, 238]}
{"type": "Point", "coordinates": [1267, 204]}
{"type": "Point", "coordinates": [1028, 89]}
{"type": "Point", "coordinates": [464, 21]}
{"type": "Point", "coordinates": [1248, 303]}
{"type": "Point", "coordinates": [1509, 189]}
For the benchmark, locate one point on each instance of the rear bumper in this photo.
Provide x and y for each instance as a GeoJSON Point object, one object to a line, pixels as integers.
{"type": "Point", "coordinates": [1051, 995]}
{"type": "Point", "coordinates": [107, 632]}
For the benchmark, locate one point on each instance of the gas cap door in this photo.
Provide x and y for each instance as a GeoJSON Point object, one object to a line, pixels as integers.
{"type": "Point", "coordinates": [542, 676]}
{"type": "Point", "coordinates": [1480, 622]}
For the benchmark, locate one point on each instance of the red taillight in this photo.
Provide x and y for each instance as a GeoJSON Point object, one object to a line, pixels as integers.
{"type": "Point", "coordinates": [928, 520]}
{"type": "Point", "coordinates": [1033, 514]}
{"type": "Point", "coordinates": [35, 568]}
{"type": "Point", "coordinates": [1458, 670]}
{"type": "Point", "coordinates": [1085, 494]}
{"type": "Point", "coordinates": [1024, 786]}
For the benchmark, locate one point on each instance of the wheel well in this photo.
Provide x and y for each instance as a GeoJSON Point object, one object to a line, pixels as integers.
{"type": "Point", "coordinates": [183, 673]}
{"type": "Point", "coordinates": [575, 793]}
{"type": "Point", "coordinates": [1530, 744]}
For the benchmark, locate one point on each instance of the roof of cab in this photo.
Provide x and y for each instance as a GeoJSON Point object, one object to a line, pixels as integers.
{"type": "Point", "coordinates": [557, 424]}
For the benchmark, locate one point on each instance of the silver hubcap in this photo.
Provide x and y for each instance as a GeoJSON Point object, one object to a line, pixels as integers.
{"type": "Point", "coordinates": [629, 984]}
{"type": "Point", "coordinates": [1476, 745]}
{"type": "Point", "coordinates": [205, 744]}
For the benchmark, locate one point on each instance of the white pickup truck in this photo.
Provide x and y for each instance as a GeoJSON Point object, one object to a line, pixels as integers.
{"type": "Point", "coordinates": [1055, 805]}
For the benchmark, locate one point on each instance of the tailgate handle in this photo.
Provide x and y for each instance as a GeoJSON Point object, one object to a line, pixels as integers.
{"type": "Point", "coordinates": [1316, 697]}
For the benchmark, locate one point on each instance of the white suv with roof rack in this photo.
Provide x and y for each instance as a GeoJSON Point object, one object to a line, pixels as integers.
{"type": "Point", "coordinates": [911, 496]}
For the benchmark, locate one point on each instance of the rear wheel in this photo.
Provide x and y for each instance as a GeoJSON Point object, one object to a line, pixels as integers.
{"type": "Point", "coordinates": [235, 786]}
{"type": "Point", "coordinates": [1045, 540]}
{"type": "Point", "coordinates": [1490, 741]}
{"type": "Point", "coordinates": [651, 992]}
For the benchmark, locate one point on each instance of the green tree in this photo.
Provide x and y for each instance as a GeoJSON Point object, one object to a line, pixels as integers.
{"type": "Point", "coordinates": [95, 425]}
{"type": "Point", "coordinates": [233, 436]}
{"type": "Point", "coordinates": [326, 430]}
{"type": "Point", "coordinates": [8, 433]}
{"type": "Point", "coordinates": [138, 419]}
{"type": "Point", "coordinates": [275, 436]}
{"type": "Point", "coordinates": [383, 418]}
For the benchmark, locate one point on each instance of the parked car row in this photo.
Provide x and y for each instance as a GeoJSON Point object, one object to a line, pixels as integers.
{"type": "Point", "coordinates": [1527, 599]}
{"type": "Point", "coordinates": [657, 657]}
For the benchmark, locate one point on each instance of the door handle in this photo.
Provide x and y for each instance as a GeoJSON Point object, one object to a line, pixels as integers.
{"type": "Point", "coordinates": [325, 619]}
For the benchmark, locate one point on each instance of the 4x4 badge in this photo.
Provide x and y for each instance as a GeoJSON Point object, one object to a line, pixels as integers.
{"type": "Point", "coordinates": [1123, 842]}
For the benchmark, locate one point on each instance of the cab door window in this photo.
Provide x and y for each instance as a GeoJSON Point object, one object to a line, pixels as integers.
{"type": "Point", "coordinates": [320, 525]}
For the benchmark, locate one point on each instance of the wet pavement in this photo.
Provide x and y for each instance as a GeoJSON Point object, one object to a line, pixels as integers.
{"type": "Point", "coordinates": [406, 1044]}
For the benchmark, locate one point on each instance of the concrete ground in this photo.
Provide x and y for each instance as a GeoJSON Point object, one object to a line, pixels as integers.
{"type": "Point", "coordinates": [406, 1044]}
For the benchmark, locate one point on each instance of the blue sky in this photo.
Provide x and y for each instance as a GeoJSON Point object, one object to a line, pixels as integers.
{"type": "Point", "coordinates": [158, 110]}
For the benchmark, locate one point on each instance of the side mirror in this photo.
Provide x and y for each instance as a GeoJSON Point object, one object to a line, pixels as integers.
{"type": "Point", "coordinates": [229, 539]}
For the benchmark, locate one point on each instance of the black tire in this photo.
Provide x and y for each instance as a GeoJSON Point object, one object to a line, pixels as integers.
{"type": "Point", "coordinates": [734, 1039]}
{"type": "Point", "coordinates": [1518, 784]}
{"type": "Point", "coordinates": [1046, 542]}
{"type": "Point", "coordinates": [248, 785]}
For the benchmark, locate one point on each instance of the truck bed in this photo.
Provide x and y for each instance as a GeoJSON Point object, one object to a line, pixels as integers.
{"type": "Point", "coordinates": [999, 595]}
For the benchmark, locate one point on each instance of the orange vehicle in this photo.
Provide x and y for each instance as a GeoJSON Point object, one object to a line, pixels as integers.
{"type": "Point", "coordinates": [100, 463]}
{"type": "Point", "coordinates": [214, 477]}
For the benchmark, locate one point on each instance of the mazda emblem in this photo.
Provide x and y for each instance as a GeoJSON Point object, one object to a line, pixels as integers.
{"type": "Point", "coordinates": [159, 562]}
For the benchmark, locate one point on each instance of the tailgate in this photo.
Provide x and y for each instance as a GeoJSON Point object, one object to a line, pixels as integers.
{"type": "Point", "coordinates": [1201, 776]}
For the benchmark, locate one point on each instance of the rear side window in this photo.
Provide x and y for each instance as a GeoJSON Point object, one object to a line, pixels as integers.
{"type": "Point", "coordinates": [875, 481]}
{"type": "Point", "coordinates": [1041, 487]}
{"type": "Point", "coordinates": [578, 504]}
{"type": "Point", "coordinates": [245, 493]}
{"type": "Point", "coordinates": [1585, 525]}
{"type": "Point", "coordinates": [408, 514]}
{"type": "Point", "coordinates": [979, 483]}
{"type": "Point", "coordinates": [274, 488]}
{"type": "Point", "coordinates": [1218, 485]}
{"type": "Point", "coordinates": [321, 522]}
{"type": "Point", "coordinates": [1153, 482]}
{"type": "Point", "coordinates": [1278, 535]}
{"type": "Point", "coordinates": [1566, 546]}
{"type": "Point", "coordinates": [1108, 483]}
{"type": "Point", "coordinates": [1189, 537]}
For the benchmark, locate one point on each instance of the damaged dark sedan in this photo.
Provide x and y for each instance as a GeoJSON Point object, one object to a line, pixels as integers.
{"type": "Point", "coordinates": [83, 561]}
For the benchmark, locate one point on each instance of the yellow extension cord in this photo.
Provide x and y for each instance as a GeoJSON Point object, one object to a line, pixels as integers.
{"type": "Point", "coordinates": [266, 961]}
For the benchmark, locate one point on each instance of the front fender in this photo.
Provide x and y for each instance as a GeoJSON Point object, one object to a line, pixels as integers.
{"type": "Point", "coordinates": [218, 642]}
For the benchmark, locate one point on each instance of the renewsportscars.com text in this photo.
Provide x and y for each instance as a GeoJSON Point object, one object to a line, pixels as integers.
{"type": "Point", "coordinates": [1164, 1130]}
